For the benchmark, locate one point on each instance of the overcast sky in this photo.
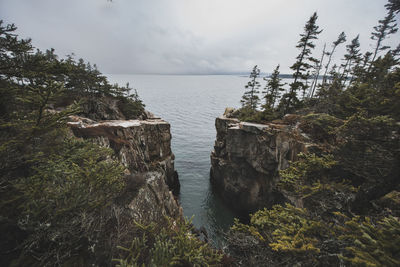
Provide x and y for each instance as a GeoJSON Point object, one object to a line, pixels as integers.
{"type": "Point", "coordinates": [188, 36]}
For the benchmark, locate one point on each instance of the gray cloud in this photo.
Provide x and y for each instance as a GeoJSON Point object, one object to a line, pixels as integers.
{"type": "Point", "coordinates": [187, 36]}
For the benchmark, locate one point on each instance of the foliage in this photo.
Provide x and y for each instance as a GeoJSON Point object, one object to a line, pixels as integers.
{"type": "Point", "coordinates": [302, 65]}
{"type": "Point", "coordinates": [63, 192]}
{"type": "Point", "coordinates": [80, 176]}
{"type": "Point", "coordinates": [308, 170]}
{"type": "Point", "coordinates": [341, 39]}
{"type": "Point", "coordinates": [372, 244]}
{"type": "Point", "coordinates": [373, 143]}
{"type": "Point", "coordinates": [296, 236]}
{"type": "Point", "coordinates": [56, 192]}
{"type": "Point", "coordinates": [250, 98]}
{"type": "Point", "coordinates": [345, 199]}
{"type": "Point", "coordinates": [171, 245]}
{"type": "Point", "coordinates": [352, 57]}
{"type": "Point", "coordinates": [321, 127]}
{"type": "Point", "coordinates": [250, 115]}
{"type": "Point", "coordinates": [131, 106]}
{"type": "Point", "coordinates": [290, 233]}
{"type": "Point", "coordinates": [273, 88]}
{"type": "Point", "coordinates": [386, 27]}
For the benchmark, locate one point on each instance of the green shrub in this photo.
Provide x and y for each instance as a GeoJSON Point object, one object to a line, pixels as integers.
{"type": "Point", "coordinates": [170, 245]}
{"type": "Point", "coordinates": [60, 203]}
{"type": "Point", "coordinates": [372, 244]}
{"type": "Point", "coordinates": [131, 106]}
{"type": "Point", "coordinates": [250, 115]}
{"type": "Point", "coordinates": [308, 170]}
{"type": "Point", "coordinates": [290, 233]}
{"type": "Point", "coordinates": [321, 127]}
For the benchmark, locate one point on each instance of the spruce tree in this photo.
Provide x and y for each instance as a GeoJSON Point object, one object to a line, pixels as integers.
{"type": "Point", "coordinates": [393, 5]}
{"type": "Point", "coordinates": [318, 66]}
{"type": "Point", "coordinates": [273, 88]}
{"type": "Point", "coordinates": [341, 39]}
{"type": "Point", "coordinates": [250, 99]}
{"type": "Point", "coordinates": [302, 65]}
{"type": "Point", "coordinates": [386, 27]}
{"type": "Point", "coordinates": [353, 56]}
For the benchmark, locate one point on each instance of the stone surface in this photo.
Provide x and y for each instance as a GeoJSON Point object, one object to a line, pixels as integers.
{"type": "Point", "coordinates": [144, 148]}
{"type": "Point", "coordinates": [247, 158]}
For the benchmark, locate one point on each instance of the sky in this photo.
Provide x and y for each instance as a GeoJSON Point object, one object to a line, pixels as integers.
{"type": "Point", "coordinates": [189, 36]}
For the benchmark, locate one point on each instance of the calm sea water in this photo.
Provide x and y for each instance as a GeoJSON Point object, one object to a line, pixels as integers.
{"type": "Point", "coordinates": [191, 104]}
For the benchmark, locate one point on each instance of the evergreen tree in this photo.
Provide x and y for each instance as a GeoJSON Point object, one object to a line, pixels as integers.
{"type": "Point", "coordinates": [386, 27]}
{"type": "Point", "coordinates": [250, 99]}
{"type": "Point", "coordinates": [302, 65]}
{"type": "Point", "coordinates": [393, 5]}
{"type": "Point", "coordinates": [341, 39]}
{"type": "Point", "coordinates": [318, 66]}
{"type": "Point", "coordinates": [396, 54]}
{"type": "Point", "coordinates": [272, 89]}
{"type": "Point", "coordinates": [353, 56]}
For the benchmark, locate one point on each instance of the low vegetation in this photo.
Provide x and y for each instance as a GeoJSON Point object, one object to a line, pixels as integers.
{"type": "Point", "coordinates": [172, 244]}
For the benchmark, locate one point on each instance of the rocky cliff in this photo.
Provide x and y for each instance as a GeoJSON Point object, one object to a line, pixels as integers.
{"type": "Point", "coordinates": [144, 148]}
{"type": "Point", "coordinates": [247, 157]}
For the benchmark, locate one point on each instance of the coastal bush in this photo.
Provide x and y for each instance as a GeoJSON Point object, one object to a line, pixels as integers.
{"type": "Point", "coordinates": [374, 142]}
{"type": "Point", "coordinates": [60, 202]}
{"type": "Point", "coordinates": [305, 172]}
{"type": "Point", "coordinates": [294, 235]}
{"type": "Point", "coordinates": [171, 245]}
{"type": "Point", "coordinates": [372, 243]}
{"type": "Point", "coordinates": [256, 116]}
{"type": "Point", "coordinates": [290, 233]}
{"type": "Point", "coordinates": [321, 127]}
{"type": "Point", "coordinates": [131, 106]}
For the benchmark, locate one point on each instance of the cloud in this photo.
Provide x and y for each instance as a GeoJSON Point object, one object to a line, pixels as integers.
{"type": "Point", "coordinates": [187, 36]}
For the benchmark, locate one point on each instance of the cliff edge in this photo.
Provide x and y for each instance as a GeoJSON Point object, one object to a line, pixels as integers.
{"type": "Point", "coordinates": [144, 148]}
{"type": "Point", "coordinates": [247, 157]}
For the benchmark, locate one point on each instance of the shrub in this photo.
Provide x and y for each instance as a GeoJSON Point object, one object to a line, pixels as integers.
{"type": "Point", "coordinates": [290, 233]}
{"type": "Point", "coordinates": [321, 127]}
{"type": "Point", "coordinates": [170, 245]}
{"type": "Point", "coordinates": [372, 244]}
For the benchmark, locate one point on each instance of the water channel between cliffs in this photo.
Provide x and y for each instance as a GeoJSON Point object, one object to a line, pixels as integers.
{"type": "Point", "coordinates": [191, 104]}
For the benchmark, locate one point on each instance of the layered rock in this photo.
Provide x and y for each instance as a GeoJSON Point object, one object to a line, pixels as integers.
{"type": "Point", "coordinates": [247, 158]}
{"type": "Point", "coordinates": [144, 148]}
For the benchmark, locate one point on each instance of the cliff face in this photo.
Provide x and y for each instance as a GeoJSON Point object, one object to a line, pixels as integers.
{"type": "Point", "coordinates": [144, 147]}
{"type": "Point", "coordinates": [247, 157]}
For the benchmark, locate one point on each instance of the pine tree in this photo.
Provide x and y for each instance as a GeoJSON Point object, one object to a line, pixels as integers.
{"type": "Point", "coordinates": [272, 89]}
{"type": "Point", "coordinates": [341, 39]}
{"type": "Point", "coordinates": [386, 27]}
{"type": "Point", "coordinates": [250, 98]}
{"type": "Point", "coordinates": [302, 65]}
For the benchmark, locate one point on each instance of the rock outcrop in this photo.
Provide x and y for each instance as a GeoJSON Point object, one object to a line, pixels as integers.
{"type": "Point", "coordinates": [247, 158]}
{"type": "Point", "coordinates": [144, 148]}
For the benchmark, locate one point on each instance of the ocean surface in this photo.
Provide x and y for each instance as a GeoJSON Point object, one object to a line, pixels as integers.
{"type": "Point", "coordinates": [191, 104]}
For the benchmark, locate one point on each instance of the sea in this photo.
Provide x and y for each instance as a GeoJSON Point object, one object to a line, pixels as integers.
{"type": "Point", "coordinates": [191, 103]}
